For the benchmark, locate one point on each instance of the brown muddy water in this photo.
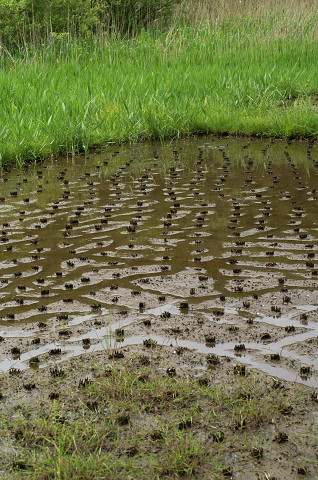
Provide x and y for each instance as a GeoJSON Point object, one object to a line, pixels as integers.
{"type": "Point", "coordinates": [207, 244]}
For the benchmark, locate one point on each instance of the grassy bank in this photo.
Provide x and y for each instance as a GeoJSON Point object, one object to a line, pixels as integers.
{"type": "Point", "coordinates": [243, 74]}
{"type": "Point", "coordinates": [128, 422]}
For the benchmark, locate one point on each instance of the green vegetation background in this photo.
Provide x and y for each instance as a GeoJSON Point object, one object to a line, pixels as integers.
{"type": "Point", "coordinates": [78, 73]}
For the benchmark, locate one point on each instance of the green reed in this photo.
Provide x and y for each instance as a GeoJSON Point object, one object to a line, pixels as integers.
{"type": "Point", "coordinates": [253, 75]}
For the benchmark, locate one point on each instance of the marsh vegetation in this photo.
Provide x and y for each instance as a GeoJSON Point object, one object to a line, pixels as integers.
{"type": "Point", "coordinates": [222, 67]}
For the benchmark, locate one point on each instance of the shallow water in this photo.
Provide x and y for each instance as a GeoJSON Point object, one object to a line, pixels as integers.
{"type": "Point", "coordinates": [229, 226]}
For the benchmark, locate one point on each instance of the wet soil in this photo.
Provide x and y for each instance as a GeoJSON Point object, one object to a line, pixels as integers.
{"type": "Point", "coordinates": [267, 431]}
{"type": "Point", "coordinates": [204, 246]}
{"type": "Point", "coordinates": [226, 228]}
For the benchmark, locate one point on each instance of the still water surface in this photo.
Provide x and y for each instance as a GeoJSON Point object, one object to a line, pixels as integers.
{"type": "Point", "coordinates": [226, 224]}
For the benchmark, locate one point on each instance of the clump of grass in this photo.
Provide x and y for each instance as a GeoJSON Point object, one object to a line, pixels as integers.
{"type": "Point", "coordinates": [254, 73]}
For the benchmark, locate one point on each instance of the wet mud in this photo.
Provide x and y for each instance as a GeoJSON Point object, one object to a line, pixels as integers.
{"type": "Point", "coordinates": [207, 245]}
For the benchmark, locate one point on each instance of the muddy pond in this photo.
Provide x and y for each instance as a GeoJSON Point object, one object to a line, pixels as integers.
{"type": "Point", "coordinates": [207, 244]}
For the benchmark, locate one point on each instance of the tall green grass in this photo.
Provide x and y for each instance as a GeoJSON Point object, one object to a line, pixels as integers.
{"type": "Point", "coordinates": [254, 75]}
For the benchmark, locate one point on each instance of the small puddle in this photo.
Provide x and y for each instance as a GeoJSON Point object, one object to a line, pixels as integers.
{"type": "Point", "coordinates": [219, 233]}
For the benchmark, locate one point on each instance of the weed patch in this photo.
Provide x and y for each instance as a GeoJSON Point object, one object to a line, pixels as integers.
{"type": "Point", "coordinates": [144, 425]}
